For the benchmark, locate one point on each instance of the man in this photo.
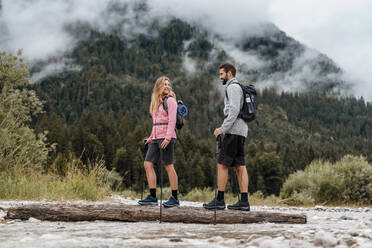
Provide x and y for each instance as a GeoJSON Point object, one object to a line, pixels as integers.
{"type": "Point", "coordinates": [235, 130]}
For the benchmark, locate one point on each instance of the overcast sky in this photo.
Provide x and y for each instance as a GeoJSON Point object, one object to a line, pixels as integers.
{"type": "Point", "coordinates": [342, 29]}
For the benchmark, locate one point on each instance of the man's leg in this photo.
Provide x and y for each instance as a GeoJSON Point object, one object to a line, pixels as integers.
{"type": "Point", "coordinates": [241, 171]}
{"type": "Point", "coordinates": [222, 176]}
{"type": "Point", "coordinates": [219, 202]}
{"type": "Point", "coordinates": [242, 204]}
{"type": "Point", "coordinates": [223, 173]}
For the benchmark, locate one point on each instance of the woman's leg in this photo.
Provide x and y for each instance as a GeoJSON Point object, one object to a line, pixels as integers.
{"type": "Point", "coordinates": [172, 175]}
{"type": "Point", "coordinates": [150, 174]}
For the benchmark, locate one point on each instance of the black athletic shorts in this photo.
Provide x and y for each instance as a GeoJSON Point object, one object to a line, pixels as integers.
{"type": "Point", "coordinates": [153, 152]}
{"type": "Point", "coordinates": [232, 150]}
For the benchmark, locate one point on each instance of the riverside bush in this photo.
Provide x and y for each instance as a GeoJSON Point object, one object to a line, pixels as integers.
{"type": "Point", "coordinates": [86, 182]}
{"type": "Point", "coordinates": [23, 153]}
{"type": "Point", "coordinates": [19, 145]}
{"type": "Point", "coordinates": [346, 181]}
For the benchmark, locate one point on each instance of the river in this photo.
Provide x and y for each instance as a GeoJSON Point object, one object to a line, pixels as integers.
{"type": "Point", "coordinates": [326, 227]}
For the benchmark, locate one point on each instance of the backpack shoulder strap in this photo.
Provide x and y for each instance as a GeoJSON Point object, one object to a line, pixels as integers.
{"type": "Point", "coordinates": [231, 84]}
{"type": "Point", "coordinates": [165, 106]}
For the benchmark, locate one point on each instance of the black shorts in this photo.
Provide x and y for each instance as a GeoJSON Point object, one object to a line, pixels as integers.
{"type": "Point", "coordinates": [232, 150]}
{"type": "Point", "coordinates": [153, 152]}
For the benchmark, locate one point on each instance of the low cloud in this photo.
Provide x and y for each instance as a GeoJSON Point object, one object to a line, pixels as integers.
{"type": "Point", "coordinates": [39, 26]}
{"type": "Point", "coordinates": [230, 19]}
{"type": "Point", "coordinates": [53, 66]}
{"type": "Point", "coordinates": [339, 29]}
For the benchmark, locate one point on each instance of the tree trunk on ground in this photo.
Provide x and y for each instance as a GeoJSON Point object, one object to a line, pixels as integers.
{"type": "Point", "coordinates": [132, 213]}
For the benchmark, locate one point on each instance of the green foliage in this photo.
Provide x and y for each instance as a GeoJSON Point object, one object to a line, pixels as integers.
{"type": "Point", "coordinates": [19, 146]}
{"type": "Point", "coordinates": [200, 49]}
{"type": "Point", "coordinates": [13, 72]}
{"type": "Point", "coordinates": [270, 168]}
{"type": "Point", "coordinates": [92, 182]}
{"type": "Point", "coordinates": [25, 157]}
{"type": "Point", "coordinates": [347, 180]}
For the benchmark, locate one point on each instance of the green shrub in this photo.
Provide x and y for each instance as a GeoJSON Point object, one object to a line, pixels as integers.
{"type": "Point", "coordinates": [346, 181]}
{"type": "Point", "coordinates": [81, 182]}
{"type": "Point", "coordinates": [23, 153]}
{"type": "Point", "coordinates": [19, 145]}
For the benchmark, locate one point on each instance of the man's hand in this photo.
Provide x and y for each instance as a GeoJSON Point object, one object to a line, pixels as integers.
{"type": "Point", "coordinates": [165, 143]}
{"type": "Point", "coordinates": [146, 141]}
{"type": "Point", "coordinates": [217, 132]}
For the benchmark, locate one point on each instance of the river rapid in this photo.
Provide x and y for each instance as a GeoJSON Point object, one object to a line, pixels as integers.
{"type": "Point", "coordinates": [326, 227]}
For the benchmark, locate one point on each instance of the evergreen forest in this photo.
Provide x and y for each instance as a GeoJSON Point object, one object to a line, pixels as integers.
{"type": "Point", "coordinates": [98, 110]}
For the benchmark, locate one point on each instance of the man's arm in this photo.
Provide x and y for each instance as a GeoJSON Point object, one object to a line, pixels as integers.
{"type": "Point", "coordinates": [234, 93]}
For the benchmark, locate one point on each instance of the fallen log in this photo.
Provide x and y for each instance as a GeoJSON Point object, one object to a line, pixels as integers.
{"type": "Point", "coordinates": [133, 213]}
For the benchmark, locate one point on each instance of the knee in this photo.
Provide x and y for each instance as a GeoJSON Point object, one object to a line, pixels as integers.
{"type": "Point", "coordinates": [240, 169]}
{"type": "Point", "coordinates": [169, 167]}
{"type": "Point", "coordinates": [147, 165]}
{"type": "Point", "coordinates": [223, 167]}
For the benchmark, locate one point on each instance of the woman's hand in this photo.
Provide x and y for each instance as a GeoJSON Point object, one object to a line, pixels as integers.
{"type": "Point", "coordinates": [165, 143]}
{"type": "Point", "coordinates": [147, 141]}
{"type": "Point", "coordinates": [171, 93]}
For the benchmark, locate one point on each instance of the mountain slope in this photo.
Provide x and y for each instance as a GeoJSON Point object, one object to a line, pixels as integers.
{"type": "Point", "coordinates": [103, 103]}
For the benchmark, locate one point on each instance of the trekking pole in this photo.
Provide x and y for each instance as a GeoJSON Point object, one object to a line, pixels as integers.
{"type": "Point", "coordinates": [161, 182]}
{"type": "Point", "coordinates": [143, 182]}
{"type": "Point", "coordinates": [239, 192]}
{"type": "Point", "coordinates": [232, 184]}
{"type": "Point", "coordinates": [218, 147]}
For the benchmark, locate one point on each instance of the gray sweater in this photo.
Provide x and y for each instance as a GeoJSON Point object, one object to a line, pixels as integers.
{"type": "Point", "coordinates": [232, 124]}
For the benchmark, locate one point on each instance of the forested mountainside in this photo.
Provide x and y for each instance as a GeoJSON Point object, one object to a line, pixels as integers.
{"type": "Point", "coordinates": [99, 108]}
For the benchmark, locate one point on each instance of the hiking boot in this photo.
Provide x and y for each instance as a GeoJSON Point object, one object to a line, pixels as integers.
{"type": "Point", "coordinates": [220, 205]}
{"type": "Point", "coordinates": [240, 205]}
{"type": "Point", "coordinates": [149, 200]}
{"type": "Point", "coordinates": [172, 202]}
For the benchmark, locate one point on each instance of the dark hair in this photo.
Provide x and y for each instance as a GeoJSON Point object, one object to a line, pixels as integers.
{"type": "Point", "coordinates": [228, 67]}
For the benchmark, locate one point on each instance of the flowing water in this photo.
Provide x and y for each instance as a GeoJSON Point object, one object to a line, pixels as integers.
{"type": "Point", "coordinates": [326, 227]}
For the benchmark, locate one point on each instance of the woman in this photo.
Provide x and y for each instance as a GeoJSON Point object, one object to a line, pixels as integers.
{"type": "Point", "coordinates": [162, 139]}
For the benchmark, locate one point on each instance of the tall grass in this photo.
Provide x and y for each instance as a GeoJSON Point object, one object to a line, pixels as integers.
{"type": "Point", "coordinates": [346, 181]}
{"type": "Point", "coordinates": [84, 182]}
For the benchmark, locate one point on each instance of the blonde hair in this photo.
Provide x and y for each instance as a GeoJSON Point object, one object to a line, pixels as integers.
{"type": "Point", "coordinates": [156, 97]}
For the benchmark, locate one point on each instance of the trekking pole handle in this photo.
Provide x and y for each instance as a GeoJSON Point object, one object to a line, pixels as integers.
{"type": "Point", "coordinates": [219, 140]}
{"type": "Point", "coordinates": [146, 145]}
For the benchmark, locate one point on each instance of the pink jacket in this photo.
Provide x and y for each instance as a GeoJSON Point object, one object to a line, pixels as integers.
{"type": "Point", "coordinates": [166, 131]}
